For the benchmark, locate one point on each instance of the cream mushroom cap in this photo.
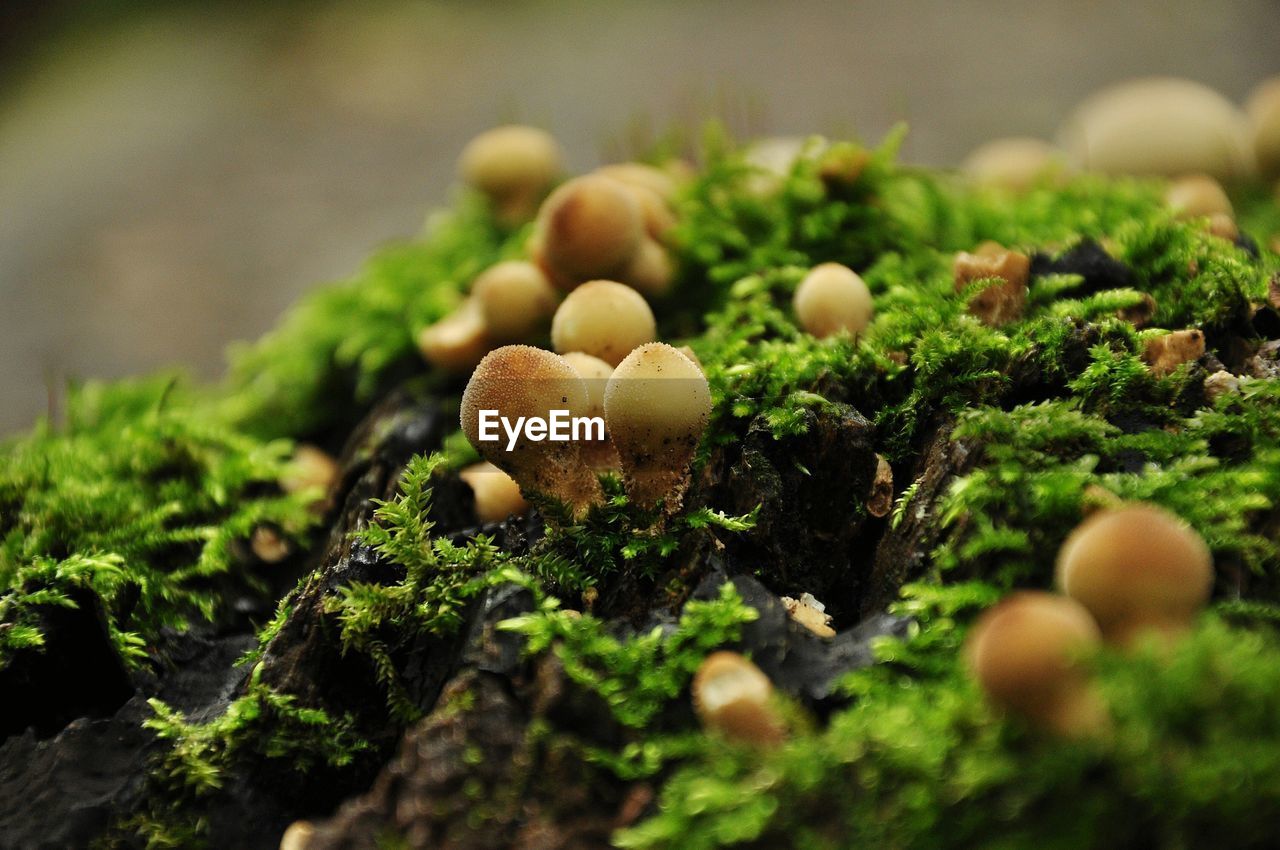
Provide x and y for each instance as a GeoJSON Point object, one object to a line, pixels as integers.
{"type": "Point", "coordinates": [603, 318]}
{"type": "Point", "coordinates": [832, 298]}
{"type": "Point", "coordinates": [1136, 567]}
{"type": "Point", "coordinates": [656, 406]}
{"type": "Point", "coordinates": [1159, 125]}
{"type": "Point", "coordinates": [523, 381]}
{"type": "Point", "coordinates": [515, 299]}
{"type": "Point", "coordinates": [1025, 653]}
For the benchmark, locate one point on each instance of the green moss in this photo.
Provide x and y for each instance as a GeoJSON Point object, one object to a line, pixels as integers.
{"type": "Point", "coordinates": [141, 499]}
{"type": "Point", "coordinates": [1192, 761]}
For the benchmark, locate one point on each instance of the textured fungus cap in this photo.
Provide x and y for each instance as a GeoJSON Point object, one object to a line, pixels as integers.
{"type": "Point", "coordinates": [523, 381]}
{"type": "Point", "coordinates": [656, 407]}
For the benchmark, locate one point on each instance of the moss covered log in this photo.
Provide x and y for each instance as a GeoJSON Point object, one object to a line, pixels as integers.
{"type": "Point", "coordinates": [429, 670]}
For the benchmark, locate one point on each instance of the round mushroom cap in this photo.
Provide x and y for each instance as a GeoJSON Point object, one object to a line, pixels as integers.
{"type": "Point", "coordinates": [511, 159]}
{"type": "Point", "coordinates": [522, 381]}
{"type": "Point", "coordinates": [1015, 163]}
{"type": "Point", "coordinates": [1159, 126]}
{"type": "Point", "coordinates": [1136, 566]}
{"type": "Point", "coordinates": [458, 341]}
{"type": "Point", "coordinates": [734, 697]}
{"type": "Point", "coordinates": [589, 227]}
{"type": "Point", "coordinates": [1026, 654]}
{"type": "Point", "coordinates": [656, 407]}
{"type": "Point", "coordinates": [1264, 114]}
{"type": "Point", "coordinates": [832, 298]}
{"type": "Point", "coordinates": [603, 318]}
{"type": "Point", "coordinates": [497, 495]}
{"type": "Point", "coordinates": [515, 299]}
{"type": "Point", "coordinates": [1198, 196]}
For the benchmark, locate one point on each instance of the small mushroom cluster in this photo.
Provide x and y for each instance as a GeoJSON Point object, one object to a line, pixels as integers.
{"type": "Point", "coordinates": [1129, 572]}
{"type": "Point", "coordinates": [608, 225]}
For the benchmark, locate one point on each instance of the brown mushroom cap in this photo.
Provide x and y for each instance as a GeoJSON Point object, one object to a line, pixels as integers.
{"type": "Point", "coordinates": [497, 495]}
{"type": "Point", "coordinates": [522, 381]}
{"type": "Point", "coordinates": [458, 341]}
{"type": "Point", "coordinates": [1025, 653]}
{"type": "Point", "coordinates": [1159, 125]}
{"type": "Point", "coordinates": [1164, 353]}
{"type": "Point", "coordinates": [1002, 303]}
{"type": "Point", "coordinates": [1136, 567]}
{"type": "Point", "coordinates": [604, 319]}
{"type": "Point", "coordinates": [310, 467]}
{"type": "Point", "coordinates": [1196, 196]}
{"type": "Point", "coordinates": [656, 407]}
{"type": "Point", "coordinates": [1264, 115]}
{"type": "Point", "coordinates": [589, 228]}
{"type": "Point", "coordinates": [734, 697]}
{"type": "Point", "coordinates": [832, 298]}
{"type": "Point", "coordinates": [515, 299]}
{"type": "Point", "coordinates": [1017, 163]}
{"type": "Point", "coordinates": [650, 269]}
{"type": "Point", "coordinates": [511, 162]}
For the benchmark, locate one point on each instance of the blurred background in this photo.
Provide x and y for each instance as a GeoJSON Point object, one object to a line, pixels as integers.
{"type": "Point", "coordinates": [174, 174]}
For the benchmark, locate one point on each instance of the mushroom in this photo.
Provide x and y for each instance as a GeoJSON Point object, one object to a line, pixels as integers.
{"type": "Point", "coordinates": [734, 698]}
{"type": "Point", "coordinates": [650, 269]}
{"type": "Point", "coordinates": [1136, 568]}
{"type": "Point", "coordinates": [1197, 196]}
{"type": "Point", "coordinates": [656, 407]}
{"type": "Point", "coordinates": [458, 341]}
{"type": "Point", "coordinates": [298, 836]}
{"type": "Point", "coordinates": [652, 188]}
{"type": "Point", "coordinates": [1017, 164]}
{"type": "Point", "coordinates": [1263, 107]}
{"type": "Point", "coordinates": [603, 318]}
{"type": "Point", "coordinates": [588, 228]}
{"type": "Point", "coordinates": [1165, 353]}
{"type": "Point", "coordinates": [596, 373]}
{"type": "Point", "coordinates": [832, 298]}
{"type": "Point", "coordinates": [1002, 303]}
{"type": "Point", "coordinates": [521, 382]}
{"type": "Point", "coordinates": [497, 495]}
{"type": "Point", "coordinates": [1160, 126]}
{"type": "Point", "coordinates": [1026, 654]}
{"type": "Point", "coordinates": [516, 300]}
{"type": "Point", "coordinates": [310, 468]}
{"type": "Point", "coordinates": [514, 166]}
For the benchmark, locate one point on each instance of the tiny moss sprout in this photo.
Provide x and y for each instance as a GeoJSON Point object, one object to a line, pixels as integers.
{"type": "Point", "coordinates": [516, 300]}
{"type": "Point", "coordinates": [514, 166]}
{"type": "Point", "coordinates": [497, 495]}
{"type": "Point", "coordinates": [603, 318]}
{"type": "Point", "coordinates": [735, 699]}
{"type": "Point", "coordinates": [519, 381]}
{"type": "Point", "coordinates": [832, 298]}
{"type": "Point", "coordinates": [1136, 568]}
{"type": "Point", "coordinates": [1026, 654]}
{"type": "Point", "coordinates": [656, 407]}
